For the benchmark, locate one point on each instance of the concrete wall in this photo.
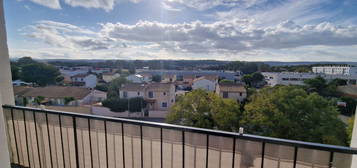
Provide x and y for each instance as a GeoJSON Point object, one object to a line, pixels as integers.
{"type": "Point", "coordinates": [6, 90]}
{"type": "Point", "coordinates": [354, 142]}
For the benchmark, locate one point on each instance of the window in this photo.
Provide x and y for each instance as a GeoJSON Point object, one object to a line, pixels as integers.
{"type": "Point", "coordinates": [164, 104]}
{"type": "Point", "coordinates": [125, 94]}
{"type": "Point", "coordinates": [172, 100]}
{"type": "Point", "coordinates": [225, 94]}
{"type": "Point", "coordinates": [151, 94]}
{"type": "Point", "coordinates": [240, 93]}
{"type": "Point", "coordinates": [138, 93]}
{"type": "Point", "coordinates": [164, 93]}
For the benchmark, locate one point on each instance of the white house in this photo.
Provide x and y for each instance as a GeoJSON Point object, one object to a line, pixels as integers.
{"type": "Point", "coordinates": [85, 80]}
{"type": "Point", "coordinates": [159, 96]}
{"type": "Point", "coordinates": [335, 70]}
{"type": "Point", "coordinates": [205, 82]}
{"type": "Point", "coordinates": [233, 91]}
{"type": "Point", "coordinates": [138, 78]}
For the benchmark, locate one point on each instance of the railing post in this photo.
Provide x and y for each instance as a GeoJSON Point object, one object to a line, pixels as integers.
{"type": "Point", "coordinates": [6, 90]}
{"type": "Point", "coordinates": [354, 142]}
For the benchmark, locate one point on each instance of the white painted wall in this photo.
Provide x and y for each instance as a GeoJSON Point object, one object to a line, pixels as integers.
{"type": "Point", "coordinates": [354, 142]}
{"type": "Point", "coordinates": [131, 94]}
{"type": "Point", "coordinates": [90, 81]}
{"type": "Point", "coordinates": [6, 90]}
{"type": "Point", "coordinates": [204, 84]}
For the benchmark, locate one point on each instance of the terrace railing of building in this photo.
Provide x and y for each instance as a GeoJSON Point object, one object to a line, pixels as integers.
{"type": "Point", "coordinates": [40, 138]}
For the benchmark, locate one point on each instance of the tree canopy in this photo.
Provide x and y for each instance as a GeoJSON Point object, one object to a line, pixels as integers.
{"type": "Point", "coordinates": [290, 112]}
{"type": "Point", "coordinates": [204, 109]}
{"type": "Point", "coordinates": [254, 79]}
{"type": "Point", "coordinates": [40, 73]}
{"type": "Point", "coordinates": [114, 86]}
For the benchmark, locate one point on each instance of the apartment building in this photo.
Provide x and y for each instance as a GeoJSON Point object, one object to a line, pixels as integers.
{"type": "Point", "coordinates": [159, 96]}
{"type": "Point", "coordinates": [233, 91]}
{"type": "Point", "coordinates": [335, 70]}
{"type": "Point", "coordinates": [295, 78]}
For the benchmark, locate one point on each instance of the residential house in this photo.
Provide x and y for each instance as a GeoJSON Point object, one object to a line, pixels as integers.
{"type": "Point", "coordinates": [232, 91]}
{"type": "Point", "coordinates": [57, 95]}
{"type": "Point", "coordinates": [85, 80]}
{"type": "Point", "coordinates": [188, 80]}
{"type": "Point", "coordinates": [207, 82]}
{"type": "Point", "coordinates": [159, 96]}
{"type": "Point", "coordinates": [109, 76]}
{"type": "Point", "coordinates": [168, 78]}
{"type": "Point", "coordinates": [132, 90]}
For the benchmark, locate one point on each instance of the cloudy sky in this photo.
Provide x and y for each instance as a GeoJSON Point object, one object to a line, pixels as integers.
{"type": "Point", "coordinates": [250, 30]}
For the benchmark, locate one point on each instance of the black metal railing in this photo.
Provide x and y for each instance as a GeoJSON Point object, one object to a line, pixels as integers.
{"type": "Point", "coordinates": [53, 139]}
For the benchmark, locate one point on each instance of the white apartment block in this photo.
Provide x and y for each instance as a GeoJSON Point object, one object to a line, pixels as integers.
{"type": "Point", "coordinates": [295, 78]}
{"type": "Point", "coordinates": [335, 70]}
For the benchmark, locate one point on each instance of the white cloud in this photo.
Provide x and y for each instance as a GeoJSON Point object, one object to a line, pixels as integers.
{"type": "Point", "coordinates": [54, 4]}
{"type": "Point", "coordinates": [231, 36]}
{"type": "Point", "coordinates": [219, 40]}
{"type": "Point", "coordinates": [209, 4]}
{"type": "Point", "coordinates": [107, 5]}
{"type": "Point", "coordinates": [301, 12]}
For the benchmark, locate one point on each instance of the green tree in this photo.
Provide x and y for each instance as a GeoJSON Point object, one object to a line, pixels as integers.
{"type": "Point", "coordinates": [15, 71]}
{"type": "Point", "coordinates": [349, 129]}
{"type": "Point", "coordinates": [317, 84]}
{"type": "Point", "coordinates": [116, 104]}
{"type": "Point", "coordinates": [350, 108]}
{"type": "Point", "coordinates": [290, 112]}
{"type": "Point", "coordinates": [42, 74]}
{"type": "Point", "coordinates": [39, 99]}
{"type": "Point", "coordinates": [156, 78]}
{"type": "Point", "coordinates": [101, 87]}
{"type": "Point", "coordinates": [206, 110]}
{"type": "Point", "coordinates": [114, 86]}
{"type": "Point", "coordinates": [226, 81]}
{"type": "Point", "coordinates": [25, 61]}
{"type": "Point", "coordinates": [67, 100]}
{"type": "Point", "coordinates": [136, 104]}
{"type": "Point", "coordinates": [132, 69]}
{"type": "Point", "coordinates": [254, 79]}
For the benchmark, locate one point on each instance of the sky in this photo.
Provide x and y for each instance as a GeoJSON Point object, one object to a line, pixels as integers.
{"type": "Point", "coordinates": [245, 30]}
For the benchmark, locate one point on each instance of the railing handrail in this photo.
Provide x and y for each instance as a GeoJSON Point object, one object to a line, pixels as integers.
{"type": "Point", "coordinates": [278, 141]}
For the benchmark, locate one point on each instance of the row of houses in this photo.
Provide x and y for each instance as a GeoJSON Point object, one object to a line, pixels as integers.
{"type": "Point", "coordinates": [161, 96]}
{"type": "Point", "coordinates": [57, 95]}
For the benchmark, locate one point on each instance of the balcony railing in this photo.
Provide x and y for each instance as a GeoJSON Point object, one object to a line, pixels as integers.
{"type": "Point", "coordinates": [53, 139]}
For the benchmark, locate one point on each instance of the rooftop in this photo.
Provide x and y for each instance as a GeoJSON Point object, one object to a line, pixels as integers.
{"type": "Point", "coordinates": [232, 87]}
{"type": "Point", "coordinates": [52, 91]}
